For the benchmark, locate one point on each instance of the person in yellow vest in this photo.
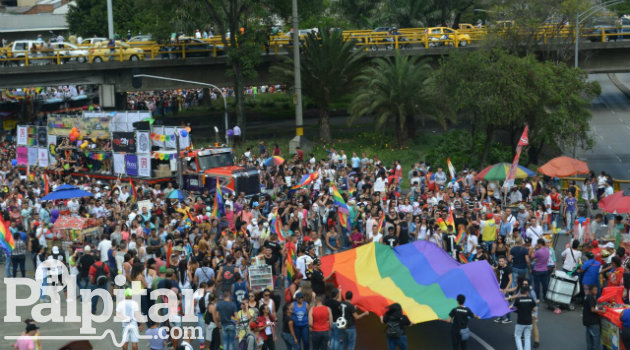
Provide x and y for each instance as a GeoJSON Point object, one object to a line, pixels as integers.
{"type": "Point", "coordinates": [488, 231]}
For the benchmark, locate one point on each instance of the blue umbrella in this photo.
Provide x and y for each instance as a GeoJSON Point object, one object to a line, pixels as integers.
{"type": "Point", "coordinates": [177, 194]}
{"type": "Point", "coordinates": [66, 192]}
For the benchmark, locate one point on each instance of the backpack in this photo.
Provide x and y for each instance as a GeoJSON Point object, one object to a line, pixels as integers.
{"type": "Point", "coordinates": [202, 303]}
{"type": "Point", "coordinates": [394, 330]}
{"type": "Point", "coordinates": [100, 275]}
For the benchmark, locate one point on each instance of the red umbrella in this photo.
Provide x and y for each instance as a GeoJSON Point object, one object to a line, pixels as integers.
{"type": "Point", "coordinates": [618, 202]}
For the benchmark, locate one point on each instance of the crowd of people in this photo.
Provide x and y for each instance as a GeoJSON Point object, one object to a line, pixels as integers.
{"type": "Point", "coordinates": [180, 244]}
{"type": "Point", "coordinates": [167, 102]}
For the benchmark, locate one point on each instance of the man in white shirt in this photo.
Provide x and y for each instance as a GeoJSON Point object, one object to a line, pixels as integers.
{"type": "Point", "coordinates": [103, 246]}
{"type": "Point", "coordinates": [534, 230]}
{"type": "Point", "coordinates": [73, 206]}
{"type": "Point", "coordinates": [440, 177]}
{"type": "Point", "coordinates": [124, 195]}
{"type": "Point", "coordinates": [237, 134]}
{"type": "Point", "coordinates": [571, 256]}
{"type": "Point", "coordinates": [128, 312]}
{"type": "Point", "coordinates": [302, 262]}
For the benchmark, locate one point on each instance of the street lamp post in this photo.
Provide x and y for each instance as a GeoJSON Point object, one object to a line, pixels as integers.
{"type": "Point", "coordinates": [110, 20]}
{"type": "Point", "coordinates": [581, 17]}
{"type": "Point", "coordinates": [299, 130]}
{"type": "Point", "coordinates": [196, 83]}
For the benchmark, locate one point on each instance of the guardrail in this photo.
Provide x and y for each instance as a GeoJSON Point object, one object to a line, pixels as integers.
{"type": "Point", "coordinates": [367, 40]}
{"type": "Point", "coordinates": [616, 182]}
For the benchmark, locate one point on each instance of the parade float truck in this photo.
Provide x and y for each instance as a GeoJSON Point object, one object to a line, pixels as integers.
{"type": "Point", "coordinates": [129, 146]}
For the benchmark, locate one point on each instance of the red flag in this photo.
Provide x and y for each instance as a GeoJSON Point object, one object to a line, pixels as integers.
{"type": "Point", "coordinates": [169, 251]}
{"type": "Point", "coordinates": [523, 141]}
{"type": "Point", "coordinates": [46, 185]}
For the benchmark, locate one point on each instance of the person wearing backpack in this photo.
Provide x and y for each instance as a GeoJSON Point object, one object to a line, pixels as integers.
{"type": "Point", "coordinates": [99, 277]}
{"type": "Point", "coordinates": [395, 322]}
{"type": "Point", "coordinates": [459, 317]}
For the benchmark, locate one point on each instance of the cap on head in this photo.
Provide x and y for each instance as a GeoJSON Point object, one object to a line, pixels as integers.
{"type": "Point", "coordinates": [55, 250]}
{"type": "Point", "coordinates": [87, 249]}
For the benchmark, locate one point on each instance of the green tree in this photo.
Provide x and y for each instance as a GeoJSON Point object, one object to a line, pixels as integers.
{"type": "Point", "coordinates": [328, 66]}
{"type": "Point", "coordinates": [498, 91]}
{"type": "Point", "coordinates": [394, 90]}
{"type": "Point", "coordinates": [89, 17]}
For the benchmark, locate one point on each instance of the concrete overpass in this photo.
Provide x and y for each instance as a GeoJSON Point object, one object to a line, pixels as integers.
{"type": "Point", "coordinates": [116, 77]}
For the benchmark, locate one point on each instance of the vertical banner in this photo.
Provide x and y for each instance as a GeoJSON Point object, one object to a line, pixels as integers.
{"type": "Point", "coordinates": [52, 148]}
{"type": "Point", "coordinates": [22, 135]}
{"type": "Point", "coordinates": [143, 142]}
{"type": "Point", "coordinates": [22, 155]}
{"type": "Point", "coordinates": [144, 165]}
{"type": "Point", "coordinates": [42, 136]}
{"type": "Point", "coordinates": [32, 156]}
{"type": "Point", "coordinates": [131, 164]}
{"type": "Point", "coordinates": [42, 157]}
{"type": "Point", "coordinates": [170, 143]}
{"type": "Point", "coordinates": [184, 142]}
{"type": "Point", "coordinates": [119, 163]}
{"type": "Point", "coordinates": [523, 141]}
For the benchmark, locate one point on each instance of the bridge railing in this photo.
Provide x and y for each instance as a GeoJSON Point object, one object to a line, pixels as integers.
{"type": "Point", "coordinates": [367, 40]}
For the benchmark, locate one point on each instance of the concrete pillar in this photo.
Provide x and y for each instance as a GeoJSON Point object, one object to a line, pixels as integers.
{"type": "Point", "coordinates": [107, 96]}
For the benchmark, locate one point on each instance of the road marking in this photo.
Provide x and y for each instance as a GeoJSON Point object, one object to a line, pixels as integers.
{"type": "Point", "coordinates": [481, 341]}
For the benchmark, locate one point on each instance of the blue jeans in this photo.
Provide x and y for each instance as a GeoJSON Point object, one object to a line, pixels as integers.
{"type": "Point", "coordinates": [348, 338]}
{"type": "Point", "coordinates": [95, 298]}
{"type": "Point", "coordinates": [401, 343]}
{"type": "Point", "coordinates": [7, 265]}
{"type": "Point", "coordinates": [593, 337]}
{"type": "Point", "coordinates": [202, 325]}
{"type": "Point", "coordinates": [228, 337]}
{"type": "Point", "coordinates": [301, 333]}
{"type": "Point", "coordinates": [524, 331]}
{"type": "Point", "coordinates": [334, 337]}
{"type": "Point", "coordinates": [571, 215]}
{"type": "Point", "coordinates": [288, 339]}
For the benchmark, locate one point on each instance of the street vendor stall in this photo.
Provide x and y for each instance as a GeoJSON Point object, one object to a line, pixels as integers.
{"type": "Point", "coordinates": [612, 302]}
{"type": "Point", "coordinates": [69, 229]}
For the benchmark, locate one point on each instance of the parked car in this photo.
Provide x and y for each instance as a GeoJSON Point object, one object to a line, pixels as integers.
{"type": "Point", "coordinates": [441, 36]}
{"type": "Point", "coordinates": [70, 52]}
{"type": "Point", "coordinates": [146, 42]}
{"type": "Point", "coordinates": [192, 47]}
{"type": "Point", "coordinates": [102, 53]}
{"type": "Point", "coordinates": [92, 41]}
{"type": "Point", "coordinates": [610, 33]}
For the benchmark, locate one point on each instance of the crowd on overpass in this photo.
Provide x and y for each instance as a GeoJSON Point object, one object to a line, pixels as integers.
{"type": "Point", "coordinates": [213, 242]}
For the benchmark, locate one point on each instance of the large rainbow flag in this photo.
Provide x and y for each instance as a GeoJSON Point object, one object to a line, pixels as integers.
{"type": "Point", "coordinates": [306, 180]}
{"type": "Point", "coordinates": [7, 243]}
{"type": "Point", "coordinates": [420, 276]}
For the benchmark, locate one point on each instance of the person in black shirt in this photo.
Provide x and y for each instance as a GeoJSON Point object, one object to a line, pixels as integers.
{"type": "Point", "coordinates": [504, 275]}
{"type": "Point", "coordinates": [459, 317]}
{"type": "Point", "coordinates": [525, 305]}
{"type": "Point", "coordinates": [334, 304]}
{"type": "Point", "coordinates": [85, 261]}
{"type": "Point", "coordinates": [317, 278]}
{"type": "Point", "coordinates": [390, 239]}
{"type": "Point", "coordinates": [396, 322]}
{"type": "Point", "coordinates": [348, 334]}
{"type": "Point", "coordinates": [403, 228]}
{"type": "Point", "coordinates": [590, 319]}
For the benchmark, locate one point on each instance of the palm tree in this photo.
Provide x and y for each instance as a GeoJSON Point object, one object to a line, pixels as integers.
{"type": "Point", "coordinates": [329, 65]}
{"type": "Point", "coordinates": [394, 91]}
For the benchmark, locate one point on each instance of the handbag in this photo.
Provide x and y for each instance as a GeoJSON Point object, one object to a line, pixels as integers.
{"type": "Point", "coordinates": [465, 333]}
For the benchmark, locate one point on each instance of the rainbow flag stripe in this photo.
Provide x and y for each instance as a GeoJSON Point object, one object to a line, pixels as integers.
{"type": "Point", "coordinates": [381, 221]}
{"type": "Point", "coordinates": [217, 207]}
{"type": "Point", "coordinates": [306, 180]}
{"type": "Point", "coordinates": [420, 276]}
{"type": "Point", "coordinates": [276, 226]}
{"type": "Point", "coordinates": [7, 243]}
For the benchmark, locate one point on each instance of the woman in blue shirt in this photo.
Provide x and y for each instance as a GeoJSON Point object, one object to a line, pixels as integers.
{"type": "Point", "coordinates": [590, 272]}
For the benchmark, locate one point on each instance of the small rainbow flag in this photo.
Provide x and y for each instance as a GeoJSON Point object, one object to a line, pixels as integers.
{"type": "Point", "coordinates": [276, 226]}
{"type": "Point", "coordinates": [450, 221]}
{"type": "Point", "coordinates": [306, 180]}
{"type": "Point", "coordinates": [381, 221]}
{"type": "Point", "coordinates": [169, 251]}
{"type": "Point", "coordinates": [339, 201]}
{"type": "Point", "coordinates": [134, 194]}
{"type": "Point", "coordinates": [441, 224]}
{"type": "Point", "coordinates": [451, 169]}
{"type": "Point", "coordinates": [217, 207]}
{"type": "Point", "coordinates": [290, 262]}
{"type": "Point", "coordinates": [6, 238]}
{"type": "Point", "coordinates": [46, 185]}
{"type": "Point", "coordinates": [462, 258]}
{"type": "Point", "coordinates": [460, 234]}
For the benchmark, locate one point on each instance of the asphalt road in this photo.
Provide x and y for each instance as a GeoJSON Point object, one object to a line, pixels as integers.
{"type": "Point", "coordinates": [610, 127]}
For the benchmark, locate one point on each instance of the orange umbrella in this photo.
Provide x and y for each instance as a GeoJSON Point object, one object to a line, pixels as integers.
{"type": "Point", "coordinates": [563, 167]}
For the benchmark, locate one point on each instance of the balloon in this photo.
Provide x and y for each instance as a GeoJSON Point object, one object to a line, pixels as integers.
{"type": "Point", "coordinates": [184, 133]}
{"type": "Point", "coordinates": [73, 137]}
{"type": "Point", "coordinates": [73, 130]}
{"type": "Point", "coordinates": [230, 132]}
{"type": "Point", "coordinates": [14, 162]}
{"type": "Point", "coordinates": [79, 143]}
{"type": "Point", "coordinates": [84, 145]}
